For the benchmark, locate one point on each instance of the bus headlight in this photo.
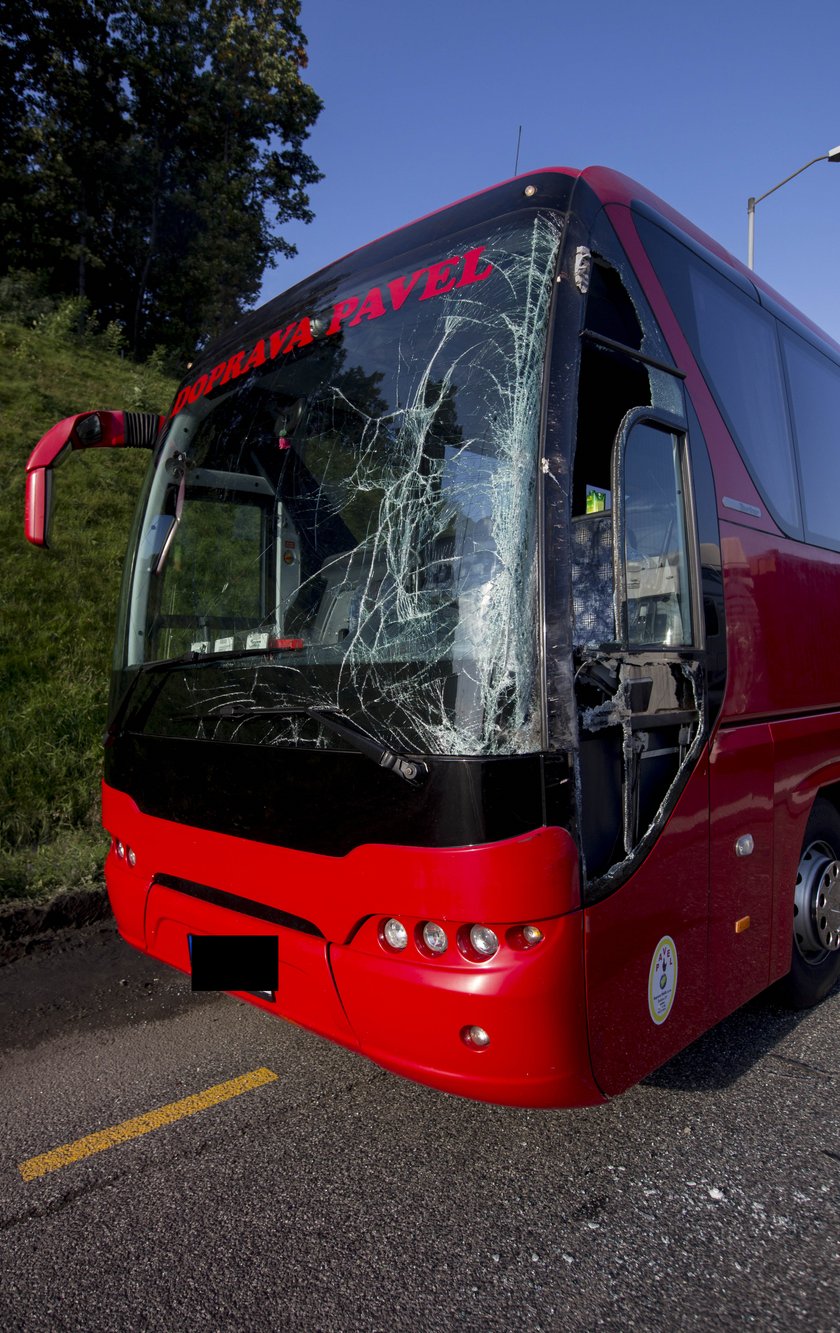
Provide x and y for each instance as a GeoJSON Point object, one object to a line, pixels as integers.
{"type": "Point", "coordinates": [434, 937]}
{"type": "Point", "coordinates": [484, 940]}
{"type": "Point", "coordinates": [394, 933]}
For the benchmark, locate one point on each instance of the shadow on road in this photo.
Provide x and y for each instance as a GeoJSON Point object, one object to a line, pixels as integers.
{"type": "Point", "coordinates": [723, 1055]}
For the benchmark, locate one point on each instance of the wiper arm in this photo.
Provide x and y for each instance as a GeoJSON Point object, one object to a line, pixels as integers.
{"type": "Point", "coordinates": [142, 670]}
{"type": "Point", "coordinates": [410, 770]}
{"type": "Point", "coordinates": [164, 666]}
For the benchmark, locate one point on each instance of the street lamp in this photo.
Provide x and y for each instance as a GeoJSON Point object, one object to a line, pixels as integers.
{"type": "Point", "coordinates": [832, 156]}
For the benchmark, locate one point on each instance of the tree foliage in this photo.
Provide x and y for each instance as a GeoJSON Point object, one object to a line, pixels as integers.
{"type": "Point", "coordinates": [154, 151]}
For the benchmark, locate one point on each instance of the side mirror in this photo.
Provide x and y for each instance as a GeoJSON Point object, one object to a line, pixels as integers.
{"type": "Point", "coordinates": [87, 430]}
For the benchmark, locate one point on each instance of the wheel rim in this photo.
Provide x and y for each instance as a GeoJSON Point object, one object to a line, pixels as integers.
{"type": "Point", "coordinates": [816, 904]}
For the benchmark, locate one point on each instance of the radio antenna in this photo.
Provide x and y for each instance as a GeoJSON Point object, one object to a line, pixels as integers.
{"type": "Point", "coordinates": [518, 142]}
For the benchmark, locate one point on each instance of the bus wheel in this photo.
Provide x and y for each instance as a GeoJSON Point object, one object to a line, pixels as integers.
{"type": "Point", "coordinates": [815, 956]}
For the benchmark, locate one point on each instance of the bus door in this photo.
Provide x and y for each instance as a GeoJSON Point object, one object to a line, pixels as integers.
{"type": "Point", "coordinates": [643, 779]}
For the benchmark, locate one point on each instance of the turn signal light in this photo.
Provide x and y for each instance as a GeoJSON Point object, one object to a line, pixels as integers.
{"type": "Point", "coordinates": [524, 937]}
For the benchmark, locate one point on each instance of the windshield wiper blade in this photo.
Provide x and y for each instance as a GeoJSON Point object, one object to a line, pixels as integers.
{"type": "Point", "coordinates": [410, 770]}
{"type": "Point", "coordinates": [142, 670]}
{"type": "Point", "coordinates": [163, 666]}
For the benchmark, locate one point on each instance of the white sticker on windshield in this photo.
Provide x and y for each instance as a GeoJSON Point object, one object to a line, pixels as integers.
{"type": "Point", "coordinates": [200, 646]}
{"type": "Point", "coordinates": [256, 641]}
{"type": "Point", "coordinates": [223, 645]}
{"type": "Point", "coordinates": [662, 979]}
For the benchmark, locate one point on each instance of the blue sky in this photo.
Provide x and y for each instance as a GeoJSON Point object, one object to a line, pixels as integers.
{"type": "Point", "coordinates": [704, 103]}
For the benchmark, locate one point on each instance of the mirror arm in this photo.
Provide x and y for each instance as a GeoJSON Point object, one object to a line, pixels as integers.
{"type": "Point", "coordinates": [87, 430]}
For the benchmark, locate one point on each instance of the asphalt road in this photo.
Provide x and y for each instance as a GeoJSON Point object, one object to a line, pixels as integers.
{"type": "Point", "coordinates": [339, 1197]}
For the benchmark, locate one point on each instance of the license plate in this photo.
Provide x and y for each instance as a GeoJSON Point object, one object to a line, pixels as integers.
{"type": "Point", "coordinates": [234, 963]}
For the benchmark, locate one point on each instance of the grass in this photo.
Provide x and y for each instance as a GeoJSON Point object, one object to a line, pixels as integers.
{"type": "Point", "coordinates": [57, 607]}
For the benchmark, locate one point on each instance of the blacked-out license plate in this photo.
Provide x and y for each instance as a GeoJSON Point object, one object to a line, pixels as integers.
{"type": "Point", "coordinates": [234, 962]}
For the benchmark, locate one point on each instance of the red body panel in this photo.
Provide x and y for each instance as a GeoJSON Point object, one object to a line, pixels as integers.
{"type": "Point", "coordinates": [350, 987]}
{"type": "Point", "coordinates": [305, 989]}
{"type": "Point", "coordinates": [666, 897]}
{"type": "Point", "coordinates": [741, 903]}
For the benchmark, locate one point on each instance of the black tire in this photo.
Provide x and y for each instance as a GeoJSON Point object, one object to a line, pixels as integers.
{"type": "Point", "coordinates": [815, 948]}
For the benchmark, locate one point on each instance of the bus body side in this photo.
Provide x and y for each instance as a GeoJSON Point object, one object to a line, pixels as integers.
{"type": "Point", "coordinates": [773, 756]}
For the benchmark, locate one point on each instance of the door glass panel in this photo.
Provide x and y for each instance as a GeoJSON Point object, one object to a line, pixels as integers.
{"type": "Point", "coordinates": [655, 551]}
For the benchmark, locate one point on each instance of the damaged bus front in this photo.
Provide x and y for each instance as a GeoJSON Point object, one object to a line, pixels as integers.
{"type": "Point", "coordinates": [410, 671]}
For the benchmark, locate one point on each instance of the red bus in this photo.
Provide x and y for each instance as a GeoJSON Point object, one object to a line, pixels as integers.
{"type": "Point", "coordinates": [475, 647]}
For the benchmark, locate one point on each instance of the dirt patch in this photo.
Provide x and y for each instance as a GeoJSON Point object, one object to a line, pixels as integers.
{"type": "Point", "coordinates": [27, 928]}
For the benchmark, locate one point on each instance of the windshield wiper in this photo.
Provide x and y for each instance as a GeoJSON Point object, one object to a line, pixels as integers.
{"type": "Point", "coordinates": [143, 669]}
{"type": "Point", "coordinates": [332, 719]}
{"type": "Point", "coordinates": [164, 666]}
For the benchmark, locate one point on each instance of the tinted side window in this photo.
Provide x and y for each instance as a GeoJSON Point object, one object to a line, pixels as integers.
{"type": "Point", "coordinates": [734, 342]}
{"type": "Point", "coordinates": [815, 396]}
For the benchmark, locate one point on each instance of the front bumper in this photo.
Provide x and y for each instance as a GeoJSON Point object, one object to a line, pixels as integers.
{"type": "Point", "coordinates": [407, 1011]}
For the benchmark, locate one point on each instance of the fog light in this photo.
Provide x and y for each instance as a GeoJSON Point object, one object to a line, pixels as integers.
{"type": "Point", "coordinates": [395, 933]}
{"type": "Point", "coordinates": [119, 849]}
{"type": "Point", "coordinates": [531, 934]}
{"type": "Point", "coordinates": [484, 940]}
{"type": "Point", "coordinates": [131, 857]}
{"type": "Point", "coordinates": [475, 1037]}
{"type": "Point", "coordinates": [434, 937]}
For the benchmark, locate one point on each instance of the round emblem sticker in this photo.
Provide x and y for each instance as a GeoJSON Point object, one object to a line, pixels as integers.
{"type": "Point", "coordinates": [662, 981]}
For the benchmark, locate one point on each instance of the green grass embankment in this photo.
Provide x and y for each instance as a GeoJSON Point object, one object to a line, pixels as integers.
{"type": "Point", "coordinates": [58, 607]}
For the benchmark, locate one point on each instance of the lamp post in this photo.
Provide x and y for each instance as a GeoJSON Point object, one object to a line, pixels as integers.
{"type": "Point", "coordinates": [832, 156]}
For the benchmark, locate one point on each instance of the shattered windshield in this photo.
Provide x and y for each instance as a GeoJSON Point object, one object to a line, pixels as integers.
{"type": "Point", "coordinates": [346, 519]}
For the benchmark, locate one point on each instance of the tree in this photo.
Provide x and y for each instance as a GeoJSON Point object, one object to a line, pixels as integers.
{"type": "Point", "coordinates": [164, 140]}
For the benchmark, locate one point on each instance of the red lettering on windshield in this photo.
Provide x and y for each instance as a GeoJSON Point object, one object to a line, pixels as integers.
{"type": "Point", "coordinates": [400, 288]}
{"type": "Point", "coordinates": [234, 367]}
{"type": "Point", "coordinates": [301, 337]}
{"type": "Point", "coordinates": [470, 273]}
{"type": "Point", "coordinates": [371, 308]}
{"type": "Point", "coordinates": [441, 277]}
{"type": "Point", "coordinates": [440, 274]}
{"type": "Point", "coordinates": [277, 339]}
{"type": "Point", "coordinates": [183, 397]}
{"type": "Point", "coordinates": [215, 375]}
{"type": "Point", "coordinates": [257, 357]}
{"type": "Point", "coordinates": [340, 312]}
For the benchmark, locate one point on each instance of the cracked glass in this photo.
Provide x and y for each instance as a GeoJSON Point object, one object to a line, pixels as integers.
{"type": "Point", "coordinates": [352, 527]}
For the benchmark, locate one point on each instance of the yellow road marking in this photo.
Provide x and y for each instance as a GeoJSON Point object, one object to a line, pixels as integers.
{"type": "Point", "coordinates": [142, 1124]}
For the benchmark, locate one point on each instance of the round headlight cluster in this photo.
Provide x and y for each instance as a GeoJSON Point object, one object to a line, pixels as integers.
{"type": "Point", "coordinates": [476, 942]}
